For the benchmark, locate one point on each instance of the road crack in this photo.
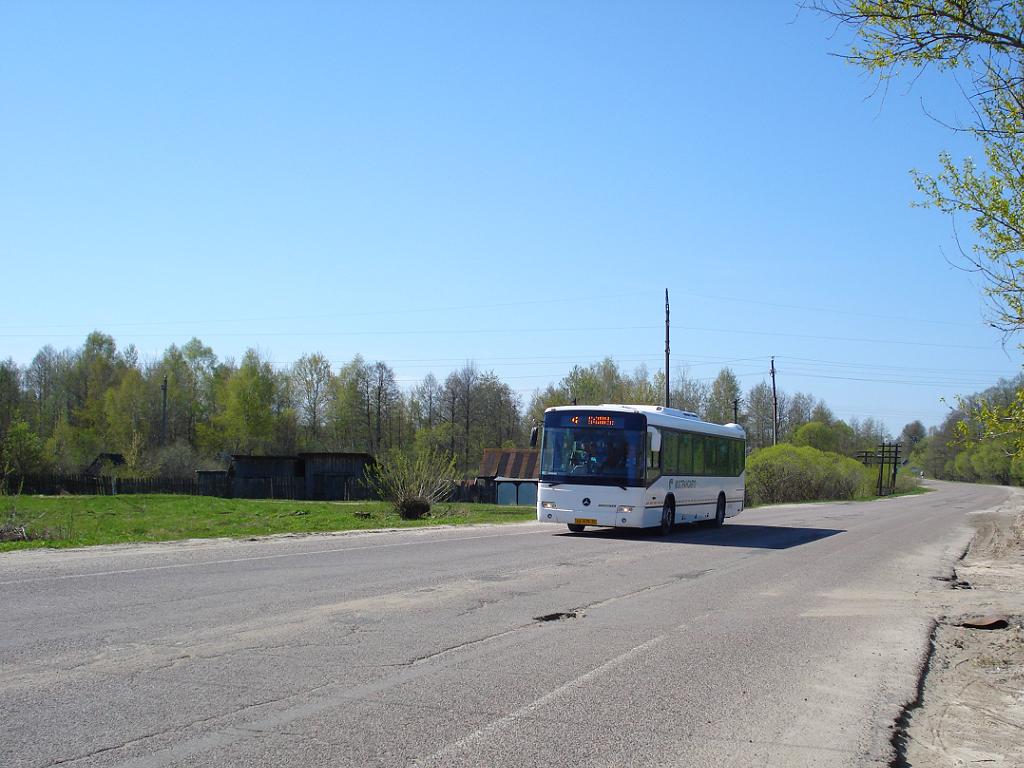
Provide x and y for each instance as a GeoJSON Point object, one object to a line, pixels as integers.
{"type": "Point", "coordinates": [186, 726]}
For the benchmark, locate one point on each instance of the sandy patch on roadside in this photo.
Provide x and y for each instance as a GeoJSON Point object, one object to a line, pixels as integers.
{"type": "Point", "coordinates": [971, 708]}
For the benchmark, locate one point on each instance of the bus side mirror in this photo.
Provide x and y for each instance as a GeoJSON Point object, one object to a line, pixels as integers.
{"type": "Point", "coordinates": [533, 437]}
{"type": "Point", "coordinates": [655, 439]}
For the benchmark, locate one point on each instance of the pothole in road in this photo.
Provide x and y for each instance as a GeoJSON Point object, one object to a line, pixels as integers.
{"type": "Point", "coordinates": [954, 582]}
{"type": "Point", "coordinates": [560, 616]}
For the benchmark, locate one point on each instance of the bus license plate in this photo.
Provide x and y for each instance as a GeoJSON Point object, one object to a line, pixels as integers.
{"type": "Point", "coordinates": [585, 521]}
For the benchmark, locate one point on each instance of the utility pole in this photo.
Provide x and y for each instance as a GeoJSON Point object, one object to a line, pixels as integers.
{"type": "Point", "coordinates": [163, 418]}
{"type": "Point", "coordinates": [775, 408]}
{"type": "Point", "coordinates": [736, 411]}
{"type": "Point", "coordinates": [667, 403]}
{"type": "Point", "coordinates": [895, 465]}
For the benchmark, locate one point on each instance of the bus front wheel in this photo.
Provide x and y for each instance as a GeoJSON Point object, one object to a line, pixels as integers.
{"type": "Point", "coordinates": [668, 518]}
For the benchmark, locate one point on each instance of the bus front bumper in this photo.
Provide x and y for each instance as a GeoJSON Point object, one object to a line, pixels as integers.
{"type": "Point", "coordinates": [621, 516]}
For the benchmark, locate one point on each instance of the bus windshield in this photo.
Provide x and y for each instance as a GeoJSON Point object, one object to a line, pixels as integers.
{"type": "Point", "coordinates": [592, 455]}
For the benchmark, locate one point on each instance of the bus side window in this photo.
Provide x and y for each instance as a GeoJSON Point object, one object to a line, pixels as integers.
{"type": "Point", "coordinates": [669, 453]}
{"type": "Point", "coordinates": [723, 457]}
{"type": "Point", "coordinates": [698, 455]}
{"type": "Point", "coordinates": [685, 454]}
{"type": "Point", "coordinates": [735, 458]}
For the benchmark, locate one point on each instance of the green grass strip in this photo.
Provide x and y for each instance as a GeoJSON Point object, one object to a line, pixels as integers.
{"type": "Point", "coordinates": [77, 521]}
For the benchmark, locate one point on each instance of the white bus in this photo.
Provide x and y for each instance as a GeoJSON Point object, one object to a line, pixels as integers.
{"type": "Point", "coordinates": [638, 466]}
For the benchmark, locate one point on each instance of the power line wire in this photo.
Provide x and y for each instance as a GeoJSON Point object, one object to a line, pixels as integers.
{"type": "Point", "coordinates": [390, 312]}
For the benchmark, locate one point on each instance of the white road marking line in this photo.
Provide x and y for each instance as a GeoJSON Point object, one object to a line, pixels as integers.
{"type": "Point", "coordinates": [501, 722]}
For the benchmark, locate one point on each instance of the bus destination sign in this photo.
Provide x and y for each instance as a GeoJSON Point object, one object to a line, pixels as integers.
{"type": "Point", "coordinates": [592, 420]}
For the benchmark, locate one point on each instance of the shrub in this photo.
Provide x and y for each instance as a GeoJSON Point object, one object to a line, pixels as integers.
{"type": "Point", "coordinates": [816, 435]}
{"type": "Point", "coordinates": [22, 451]}
{"type": "Point", "coordinates": [412, 483]}
{"type": "Point", "coordinates": [177, 460]}
{"type": "Point", "coordinates": [13, 525]}
{"type": "Point", "coordinates": [906, 481]}
{"type": "Point", "coordinates": [786, 473]}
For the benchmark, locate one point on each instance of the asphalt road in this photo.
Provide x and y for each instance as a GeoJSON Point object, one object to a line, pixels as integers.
{"type": "Point", "coordinates": [790, 637]}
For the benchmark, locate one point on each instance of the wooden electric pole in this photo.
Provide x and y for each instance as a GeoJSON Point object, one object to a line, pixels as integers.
{"type": "Point", "coordinates": [667, 398]}
{"type": "Point", "coordinates": [163, 417]}
{"type": "Point", "coordinates": [775, 408]}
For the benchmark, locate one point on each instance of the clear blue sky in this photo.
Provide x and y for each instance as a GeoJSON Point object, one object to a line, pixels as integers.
{"type": "Point", "coordinates": [513, 184]}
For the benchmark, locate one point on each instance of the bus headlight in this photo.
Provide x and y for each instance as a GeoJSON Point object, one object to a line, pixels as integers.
{"type": "Point", "coordinates": [624, 509]}
{"type": "Point", "coordinates": [547, 505]}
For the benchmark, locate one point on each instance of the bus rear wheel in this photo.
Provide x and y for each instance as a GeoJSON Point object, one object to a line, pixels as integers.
{"type": "Point", "coordinates": [576, 527]}
{"type": "Point", "coordinates": [719, 520]}
{"type": "Point", "coordinates": [668, 518]}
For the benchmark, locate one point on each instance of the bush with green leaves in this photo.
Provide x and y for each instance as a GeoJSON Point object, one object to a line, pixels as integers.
{"type": "Point", "coordinates": [787, 473]}
{"type": "Point", "coordinates": [13, 524]}
{"type": "Point", "coordinates": [22, 451]}
{"type": "Point", "coordinates": [412, 482]}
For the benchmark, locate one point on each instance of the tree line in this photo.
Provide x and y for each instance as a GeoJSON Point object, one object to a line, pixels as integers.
{"type": "Point", "coordinates": [65, 408]}
{"type": "Point", "coordinates": [802, 418]}
{"type": "Point", "coordinates": [963, 448]}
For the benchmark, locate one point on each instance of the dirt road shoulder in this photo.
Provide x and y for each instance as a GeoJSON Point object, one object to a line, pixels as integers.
{"type": "Point", "coordinates": [970, 708]}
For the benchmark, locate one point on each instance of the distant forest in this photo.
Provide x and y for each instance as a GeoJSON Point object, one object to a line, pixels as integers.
{"type": "Point", "coordinates": [67, 407]}
{"type": "Point", "coordinates": [960, 449]}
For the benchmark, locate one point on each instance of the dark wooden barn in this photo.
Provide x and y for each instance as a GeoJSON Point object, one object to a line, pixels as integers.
{"type": "Point", "coordinates": [334, 475]}
{"type": "Point", "coordinates": [324, 476]}
{"type": "Point", "coordinates": [263, 477]}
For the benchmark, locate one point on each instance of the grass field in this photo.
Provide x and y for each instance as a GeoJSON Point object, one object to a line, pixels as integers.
{"type": "Point", "coordinates": [75, 521]}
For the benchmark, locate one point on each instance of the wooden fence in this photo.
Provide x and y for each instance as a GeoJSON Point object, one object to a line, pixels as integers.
{"type": "Point", "coordinates": [292, 488]}
{"type": "Point", "coordinates": [98, 485]}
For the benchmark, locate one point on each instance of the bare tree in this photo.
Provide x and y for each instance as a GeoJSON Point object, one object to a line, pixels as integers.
{"type": "Point", "coordinates": [724, 390]}
{"type": "Point", "coordinates": [468, 378]}
{"type": "Point", "coordinates": [689, 394]}
{"type": "Point", "coordinates": [44, 379]}
{"type": "Point", "coordinates": [981, 43]}
{"type": "Point", "coordinates": [759, 415]}
{"type": "Point", "coordinates": [427, 399]}
{"type": "Point", "coordinates": [349, 412]}
{"type": "Point", "coordinates": [383, 393]}
{"type": "Point", "coordinates": [313, 382]}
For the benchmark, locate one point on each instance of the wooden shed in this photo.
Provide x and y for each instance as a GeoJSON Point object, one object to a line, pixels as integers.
{"type": "Point", "coordinates": [323, 476]}
{"type": "Point", "coordinates": [212, 482]}
{"type": "Point", "coordinates": [335, 475]}
{"type": "Point", "coordinates": [263, 477]}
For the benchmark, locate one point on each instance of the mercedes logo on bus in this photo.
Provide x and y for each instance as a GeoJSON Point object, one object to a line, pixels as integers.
{"type": "Point", "coordinates": [586, 502]}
